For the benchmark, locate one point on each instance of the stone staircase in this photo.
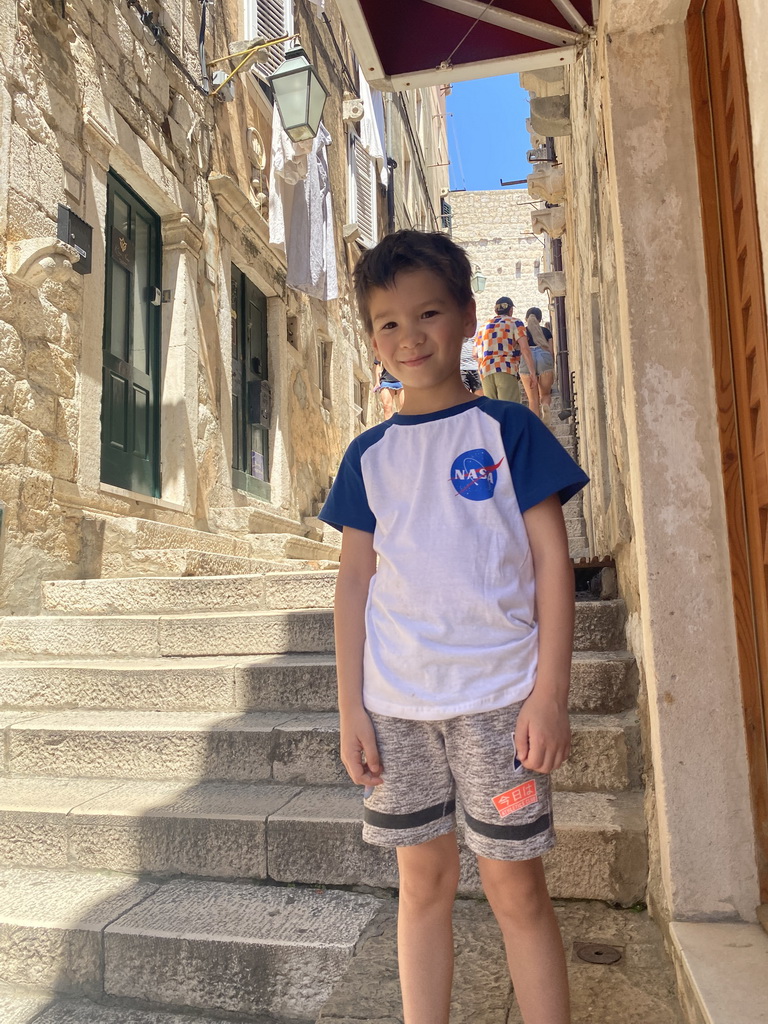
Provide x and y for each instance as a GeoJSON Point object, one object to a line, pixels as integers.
{"type": "Point", "coordinates": [246, 541]}
{"type": "Point", "coordinates": [176, 832]}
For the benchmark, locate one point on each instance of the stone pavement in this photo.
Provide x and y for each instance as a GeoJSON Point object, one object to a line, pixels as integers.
{"type": "Point", "coordinates": [639, 989]}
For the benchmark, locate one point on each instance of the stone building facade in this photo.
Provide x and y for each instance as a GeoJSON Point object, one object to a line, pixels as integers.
{"type": "Point", "coordinates": [664, 193]}
{"type": "Point", "coordinates": [494, 227]}
{"type": "Point", "coordinates": [170, 373]}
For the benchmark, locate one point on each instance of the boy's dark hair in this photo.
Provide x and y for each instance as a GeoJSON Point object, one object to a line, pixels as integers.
{"type": "Point", "coordinates": [536, 312]}
{"type": "Point", "coordinates": [412, 250]}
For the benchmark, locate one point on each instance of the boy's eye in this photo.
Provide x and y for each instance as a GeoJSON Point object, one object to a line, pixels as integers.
{"type": "Point", "coordinates": [388, 326]}
{"type": "Point", "coordinates": [429, 313]}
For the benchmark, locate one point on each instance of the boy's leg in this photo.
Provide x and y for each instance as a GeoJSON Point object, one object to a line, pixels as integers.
{"type": "Point", "coordinates": [517, 893]}
{"type": "Point", "coordinates": [429, 876]}
{"type": "Point", "coordinates": [414, 811]}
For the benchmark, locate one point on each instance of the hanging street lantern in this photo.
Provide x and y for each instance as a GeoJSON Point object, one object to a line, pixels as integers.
{"type": "Point", "coordinates": [299, 94]}
{"type": "Point", "coordinates": [477, 281]}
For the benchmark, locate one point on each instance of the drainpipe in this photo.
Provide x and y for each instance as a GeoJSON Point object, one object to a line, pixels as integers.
{"type": "Point", "coordinates": [563, 364]}
{"type": "Point", "coordinates": [391, 165]}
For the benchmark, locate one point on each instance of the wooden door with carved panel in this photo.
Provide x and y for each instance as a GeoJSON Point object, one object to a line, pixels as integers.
{"type": "Point", "coordinates": [740, 348]}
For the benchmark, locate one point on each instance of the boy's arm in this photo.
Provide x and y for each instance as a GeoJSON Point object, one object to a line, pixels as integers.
{"type": "Point", "coordinates": [543, 736]}
{"type": "Point", "coordinates": [359, 753]}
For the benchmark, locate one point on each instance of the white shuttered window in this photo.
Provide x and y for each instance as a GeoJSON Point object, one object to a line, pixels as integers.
{"type": "Point", "coordinates": [271, 19]}
{"type": "Point", "coordinates": [362, 191]}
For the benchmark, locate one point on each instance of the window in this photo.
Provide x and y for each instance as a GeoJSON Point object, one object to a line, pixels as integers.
{"type": "Point", "coordinates": [362, 191]}
{"type": "Point", "coordinates": [324, 348]}
{"type": "Point", "coordinates": [446, 216]}
{"type": "Point", "coordinates": [536, 268]}
{"type": "Point", "coordinates": [271, 19]}
{"type": "Point", "coordinates": [292, 331]}
{"type": "Point", "coordinates": [518, 269]}
{"type": "Point", "coordinates": [251, 393]}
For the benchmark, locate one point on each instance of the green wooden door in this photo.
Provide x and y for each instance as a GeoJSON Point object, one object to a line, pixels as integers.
{"type": "Point", "coordinates": [130, 426]}
{"type": "Point", "coordinates": [250, 387]}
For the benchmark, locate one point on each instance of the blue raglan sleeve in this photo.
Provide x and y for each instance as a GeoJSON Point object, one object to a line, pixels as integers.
{"type": "Point", "coordinates": [347, 502]}
{"type": "Point", "coordinates": [539, 464]}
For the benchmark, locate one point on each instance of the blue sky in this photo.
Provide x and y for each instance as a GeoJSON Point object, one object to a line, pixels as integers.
{"type": "Point", "coordinates": [487, 140]}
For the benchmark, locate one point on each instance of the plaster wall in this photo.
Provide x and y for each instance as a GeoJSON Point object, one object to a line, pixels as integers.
{"type": "Point", "coordinates": [494, 227]}
{"type": "Point", "coordinates": [662, 444]}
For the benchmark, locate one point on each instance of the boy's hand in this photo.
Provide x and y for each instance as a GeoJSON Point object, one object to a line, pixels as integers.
{"type": "Point", "coordinates": [543, 734]}
{"type": "Point", "coordinates": [359, 753]}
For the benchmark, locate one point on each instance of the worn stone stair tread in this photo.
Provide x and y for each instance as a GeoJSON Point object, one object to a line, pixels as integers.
{"type": "Point", "coordinates": [306, 834]}
{"type": "Point", "coordinates": [218, 946]}
{"type": "Point", "coordinates": [18, 1006]}
{"type": "Point", "coordinates": [599, 626]}
{"type": "Point", "coordinates": [600, 681]}
{"type": "Point", "coordinates": [287, 746]}
{"type": "Point", "coordinates": [261, 591]}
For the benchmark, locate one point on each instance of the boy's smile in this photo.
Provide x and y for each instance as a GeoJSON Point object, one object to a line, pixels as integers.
{"type": "Point", "coordinates": [418, 331]}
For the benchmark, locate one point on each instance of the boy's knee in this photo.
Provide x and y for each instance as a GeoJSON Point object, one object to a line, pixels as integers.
{"type": "Point", "coordinates": [427, 884]}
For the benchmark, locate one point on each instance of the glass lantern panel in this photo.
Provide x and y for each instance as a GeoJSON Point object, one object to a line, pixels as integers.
{"type": "Point", "coordinates": [317, 99]}
{"type": "Point", "coordinates": [291, 97]}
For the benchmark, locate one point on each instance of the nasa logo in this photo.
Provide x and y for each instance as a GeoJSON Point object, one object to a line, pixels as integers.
{"type": "Point", "coordinates": [474, 474]}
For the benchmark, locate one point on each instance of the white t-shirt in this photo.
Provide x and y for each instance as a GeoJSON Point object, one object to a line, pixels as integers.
{"type": "Point", "coordinates": [450, 618]}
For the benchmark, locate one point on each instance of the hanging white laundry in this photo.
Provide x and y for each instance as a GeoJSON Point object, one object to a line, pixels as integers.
{"type": "Point", "coordinates": [371, 126]}
{"type": "Point", "coordinates": [287, 166]}
{"type": "Point", "coordinates": [310, 244]}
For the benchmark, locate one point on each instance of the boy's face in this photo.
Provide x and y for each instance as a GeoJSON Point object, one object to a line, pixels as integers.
{"type": "Point", "coordinates": [419, 328]}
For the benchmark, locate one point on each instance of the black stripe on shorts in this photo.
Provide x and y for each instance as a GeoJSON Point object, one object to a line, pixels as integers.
{"type": "Point", "coordinates": [516, 832]}
{"type": "Point", "coordinates": [412, 820]}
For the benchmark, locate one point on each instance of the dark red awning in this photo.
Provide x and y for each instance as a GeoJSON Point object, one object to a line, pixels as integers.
{"type": "Point", "coordinates": [409, 43]}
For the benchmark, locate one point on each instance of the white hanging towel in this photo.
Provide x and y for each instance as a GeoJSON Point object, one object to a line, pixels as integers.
{"type": "Point", "coordinates": [310, 244]}
{"type": "Point", "coordinates": [371, 126]}
{"type": "Point", "coordinates": [289, 164]}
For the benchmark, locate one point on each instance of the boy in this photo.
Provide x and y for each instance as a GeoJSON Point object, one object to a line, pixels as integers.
{"type": "Point", "coordinates": [453, 654]}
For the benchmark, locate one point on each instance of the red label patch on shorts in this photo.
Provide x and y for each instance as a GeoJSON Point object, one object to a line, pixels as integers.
{"type": "Point", "coordinates": [515, 799]}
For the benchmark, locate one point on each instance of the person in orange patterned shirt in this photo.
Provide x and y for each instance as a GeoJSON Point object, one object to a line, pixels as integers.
{"type": "Point", "coordinates": [499, 346]}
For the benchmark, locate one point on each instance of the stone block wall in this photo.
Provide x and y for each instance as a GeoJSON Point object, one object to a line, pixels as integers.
{"type": "Point", "coordinates": [495, 229]}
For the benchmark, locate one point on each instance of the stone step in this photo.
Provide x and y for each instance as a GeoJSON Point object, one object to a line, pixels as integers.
{"type": "Point", "coordinates": [599, 627]}
{"type": "Point", "coordinates": [118, 537]}
{"type": "Point", "coordinates": [214, 946]}
{"type": "Point", "coordinates": [290, 834]}
{"type": "Point", "coordinates": [248, 519]}
{"type": "Point", "coordinates": [601, 683]}
{"type": "Point", "coordinates": [260, 592]}
{"type": "Point", "coordinates": [286, 747]}
{"type": "Point", "coordinates": [115, 535]}
{"type": "Point", "coordinates": [273, 587]}
{"type": "Point", "coordinates": [576, 529]}
{"type": "Point", "coordinates": [150, 562]}
{"type": "Point", "coordinates": [282, 545]}
{"type": "Point", "coordinates": [24, 1006]}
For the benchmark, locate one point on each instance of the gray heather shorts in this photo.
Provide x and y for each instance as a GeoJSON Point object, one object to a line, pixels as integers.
{"type": "Point", "coordinates": [507, 808]}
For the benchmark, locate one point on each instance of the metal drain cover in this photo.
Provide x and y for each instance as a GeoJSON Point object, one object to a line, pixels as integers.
{"type": "Point", "coordinates": [597, 952]}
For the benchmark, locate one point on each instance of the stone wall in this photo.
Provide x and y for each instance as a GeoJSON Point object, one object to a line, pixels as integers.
{"type": "Point", "coordinates": [85, 90]}
{"type": "Point", "coordinates": [495, 229]}
{"type": "Point", "coordinates": [633, 251]}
